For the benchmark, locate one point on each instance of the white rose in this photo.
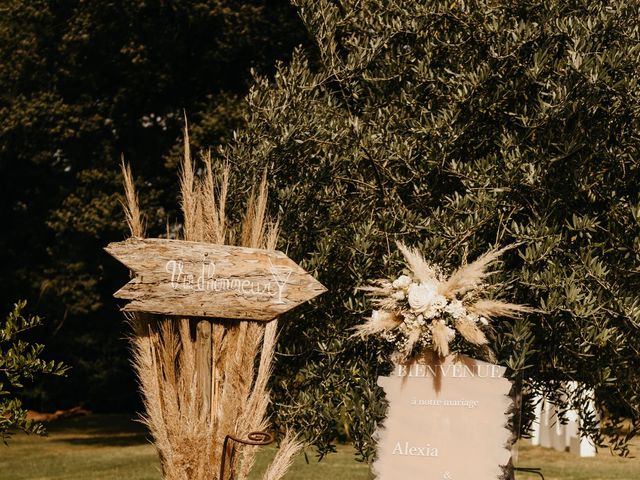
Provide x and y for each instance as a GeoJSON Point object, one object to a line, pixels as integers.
{"type": "Point", "coordinates": [403, 281]}
{"type": "Point", "coordinates": [421, 296]}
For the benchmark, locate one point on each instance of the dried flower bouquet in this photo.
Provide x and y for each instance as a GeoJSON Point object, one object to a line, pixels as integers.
{"type": "Point", "coordinates": [422, 309]}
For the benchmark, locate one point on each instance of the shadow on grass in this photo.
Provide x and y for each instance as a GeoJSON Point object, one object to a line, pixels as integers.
{"type": "Point", "coordinates": [107, 440]}
{"type": "Point", "coordinates": [99, 430]}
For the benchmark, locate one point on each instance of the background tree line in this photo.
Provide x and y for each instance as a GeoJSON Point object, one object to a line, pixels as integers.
{"type": "Point", "coordinates": [452, 126]}
{"type": "Point", "coordinates": [82, 83]}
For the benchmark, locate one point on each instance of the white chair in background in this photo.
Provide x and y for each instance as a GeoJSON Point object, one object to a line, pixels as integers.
{"type": "Point", "coordinates": [548, 432]}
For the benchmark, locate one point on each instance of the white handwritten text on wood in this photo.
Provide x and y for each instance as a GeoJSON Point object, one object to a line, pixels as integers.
{"type": "Point", "coordinates": [174, 277]}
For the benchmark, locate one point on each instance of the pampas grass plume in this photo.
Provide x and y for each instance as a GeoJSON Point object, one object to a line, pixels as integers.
{"type": "Point", "coordinates": [197, 389]}
{"type": "Point", "coordinates": [380, 321]}
{"type": "Point", "coordinates": [441, 336]}
{"type": "Point", "coordinates": [289, 448]}
{"type": "Point", "coordinates": [422, 270]}
{"type": "Point", "coordinates": [471, 276]}
{"type": "Point", "coordinates": [496, 308]}
{"type": "Point", "coordinates": [470, 331]}
{"type": "Point", "coordinates": [130, 204]}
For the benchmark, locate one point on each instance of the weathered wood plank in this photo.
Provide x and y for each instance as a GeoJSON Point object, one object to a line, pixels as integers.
{"type": "Point", "coordinates": [174, 277]}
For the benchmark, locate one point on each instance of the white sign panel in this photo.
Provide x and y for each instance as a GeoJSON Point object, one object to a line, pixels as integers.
{"type": "Point", "coordinates": [447, 420]}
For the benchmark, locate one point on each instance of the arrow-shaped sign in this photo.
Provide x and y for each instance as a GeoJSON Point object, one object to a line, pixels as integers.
{"type": "Point", "coordinates": [192, 279]}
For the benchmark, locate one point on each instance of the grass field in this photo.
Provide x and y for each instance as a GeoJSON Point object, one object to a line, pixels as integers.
{"type": "Point", "coordinates": [101, 447]}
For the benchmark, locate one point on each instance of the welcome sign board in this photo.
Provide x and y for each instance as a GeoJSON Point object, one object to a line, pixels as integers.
{"type": "Point", "coordinates": [447, 420]}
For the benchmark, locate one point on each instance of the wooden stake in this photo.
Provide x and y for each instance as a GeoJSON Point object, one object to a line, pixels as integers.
{"type": "Point", "coordinates": [203, 362]}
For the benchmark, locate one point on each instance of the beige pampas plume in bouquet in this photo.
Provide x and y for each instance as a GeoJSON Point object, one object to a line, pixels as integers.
{"type": "Point", "coordinates": [203, 379]}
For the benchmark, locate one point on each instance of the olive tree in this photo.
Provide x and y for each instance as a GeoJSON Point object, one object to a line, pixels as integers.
{"type": "Point", "coordinates": [454, 127]}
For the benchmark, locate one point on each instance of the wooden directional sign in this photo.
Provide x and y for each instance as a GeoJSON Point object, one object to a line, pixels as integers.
{"type": "Point", "coordinates": [174, 277]}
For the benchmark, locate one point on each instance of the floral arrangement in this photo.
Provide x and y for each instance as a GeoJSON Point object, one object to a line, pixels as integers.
{"type": "Point", "coordinates": [423, 309]}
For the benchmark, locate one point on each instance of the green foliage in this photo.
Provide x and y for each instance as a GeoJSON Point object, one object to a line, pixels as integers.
{"type": "Point", "coordinates": [20, 363]}
{"type": "Point", "coordinates": [456, 126]}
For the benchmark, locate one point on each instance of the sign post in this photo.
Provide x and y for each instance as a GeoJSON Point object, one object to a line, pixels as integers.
{"type": "Point", "coordinates": [204, 282]}
{"type": "Point", "coordinates": [193, 279]}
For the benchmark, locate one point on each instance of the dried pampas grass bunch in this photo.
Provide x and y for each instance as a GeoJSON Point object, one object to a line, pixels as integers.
{"type": "Point", "coordinates": [204, 379]}
{"type": "Point", "coordinates": [424, 309]}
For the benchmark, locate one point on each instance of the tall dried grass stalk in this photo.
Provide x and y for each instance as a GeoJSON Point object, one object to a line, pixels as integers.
{"type": "Point", "coordinates": [289, 447]}
{"type": "Point", "coordinates": [214, 200]}
{"type": "Point", "coordinates": [197, 388]}
{"type": "Point", "coordinates": [130, 204]}
{"type": "Point", "coordinates": [189, 197]}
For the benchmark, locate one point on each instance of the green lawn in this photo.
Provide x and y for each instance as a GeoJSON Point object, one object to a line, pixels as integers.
{"type": "Point", "coordinates": [101, 447]}
{"type": "Point", "coordinates": [563, 466]}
